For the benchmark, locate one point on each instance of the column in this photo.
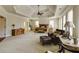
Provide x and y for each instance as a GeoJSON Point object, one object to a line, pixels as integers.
{"type": "Point", "coordinates": [76, 21]}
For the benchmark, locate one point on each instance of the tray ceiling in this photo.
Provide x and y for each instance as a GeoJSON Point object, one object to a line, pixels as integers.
{"type": "Point", "coordinates": [32, 10]}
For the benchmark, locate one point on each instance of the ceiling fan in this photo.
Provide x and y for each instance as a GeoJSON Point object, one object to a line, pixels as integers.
{"type": "Point", "coordinates": [39, 13]}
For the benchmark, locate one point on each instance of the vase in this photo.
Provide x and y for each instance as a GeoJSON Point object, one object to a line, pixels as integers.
{"type": "Point", "coordinates": [75, 41]}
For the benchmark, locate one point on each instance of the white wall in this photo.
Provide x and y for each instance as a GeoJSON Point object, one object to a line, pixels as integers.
{"type": "Point", "coordinates": [12, 19]}
{"type": "Point", "coordinates": [56, 23]}
{"type": "Point", "coordinates": [43, 20]}
{"type": "Point", "coordinates": [76, 21]}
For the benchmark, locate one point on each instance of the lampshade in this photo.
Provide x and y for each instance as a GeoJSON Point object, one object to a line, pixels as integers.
{"type": "Point", "coordinates": [69, 24]}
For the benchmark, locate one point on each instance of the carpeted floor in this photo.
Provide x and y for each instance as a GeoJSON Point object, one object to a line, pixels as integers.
{"type": "Point", "coordinates": [26, 43]}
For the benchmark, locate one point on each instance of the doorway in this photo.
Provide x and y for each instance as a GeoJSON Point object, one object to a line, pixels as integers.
{"type": "Point", "coordinates": [2, 26]}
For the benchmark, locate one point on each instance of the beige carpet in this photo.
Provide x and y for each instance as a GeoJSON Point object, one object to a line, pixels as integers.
{"type": "Point", "coordinates": [26, 43]}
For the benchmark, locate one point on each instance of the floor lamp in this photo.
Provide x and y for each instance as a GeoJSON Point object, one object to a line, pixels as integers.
{"type": "Point", "coordinates": [68, 25]}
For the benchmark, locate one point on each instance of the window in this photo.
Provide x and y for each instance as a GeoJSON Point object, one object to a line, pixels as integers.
{"type": "Point", "coordinates": [51, 23]}
{"type": "Point", "coordinates": [24, 24]}
{"type": "Point", "coordinates": [37, 23]}
{"type": "Point", "coordinates": [64, 21]}
{"type": "Point", "coordinates": [70, 18]}
{"type": "Point", "coordinates": [60, 23]}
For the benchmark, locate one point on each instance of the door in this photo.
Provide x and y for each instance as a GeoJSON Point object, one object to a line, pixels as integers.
{"type": "Point", "coordinates": [2, 26]}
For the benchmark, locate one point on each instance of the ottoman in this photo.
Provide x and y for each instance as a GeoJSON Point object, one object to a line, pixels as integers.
{"type": "Point", "coordinates": [45, 40]}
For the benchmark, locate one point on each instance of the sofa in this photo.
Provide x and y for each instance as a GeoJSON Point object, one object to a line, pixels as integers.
{"type": "Point", "coordinates": [60, 32]}
{"type": "Point", "coordinates": [52, 38]}
{"type": "Point", "coordinates": [42, 28]}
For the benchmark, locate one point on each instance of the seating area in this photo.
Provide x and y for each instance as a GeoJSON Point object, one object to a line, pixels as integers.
{"type": "Point", "coordinates": [41, 29]}
{"type": "Point", "coordinates": [52, 38]}
{"type": "Point", "coordinates": [57, 40]}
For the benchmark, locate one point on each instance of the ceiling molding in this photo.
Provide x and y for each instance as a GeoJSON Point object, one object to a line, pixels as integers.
{"type": "Point", "coordinates": [30, 10]}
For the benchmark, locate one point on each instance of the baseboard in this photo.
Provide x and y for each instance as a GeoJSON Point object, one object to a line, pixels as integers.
{"type": "Point", "coordinates": [8, 35]}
